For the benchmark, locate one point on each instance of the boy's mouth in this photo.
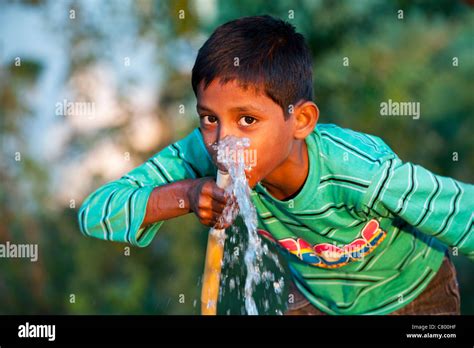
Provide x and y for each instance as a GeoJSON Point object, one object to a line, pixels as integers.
{"type": "Point", "coordinates": [221, 167]}
{"type": "Point", "coordinates": [236, 153]}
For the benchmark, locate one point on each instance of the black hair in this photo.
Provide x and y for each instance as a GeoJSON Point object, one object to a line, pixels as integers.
{"type": "Point", "coordinates": [258, 51]}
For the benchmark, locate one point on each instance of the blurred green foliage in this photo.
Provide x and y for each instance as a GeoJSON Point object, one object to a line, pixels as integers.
{"type": "Point", "coordinates": [389, 58]}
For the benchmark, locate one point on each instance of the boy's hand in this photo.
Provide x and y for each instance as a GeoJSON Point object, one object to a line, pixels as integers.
{"type": "Point", "coordinates": [207, 201]}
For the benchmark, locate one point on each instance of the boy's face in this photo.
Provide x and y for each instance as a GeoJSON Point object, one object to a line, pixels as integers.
{"type": "Point", "coordinates": [230, 110]}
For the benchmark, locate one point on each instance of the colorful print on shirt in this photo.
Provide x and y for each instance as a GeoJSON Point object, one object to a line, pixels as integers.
{"type": "Point", "coordinates": [326, 255]}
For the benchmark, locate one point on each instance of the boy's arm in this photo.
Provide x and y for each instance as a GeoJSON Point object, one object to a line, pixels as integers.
{"type": "Point", "coordinates": [116, 211]}
{"type": "Point", "coordinates": [439, 206]}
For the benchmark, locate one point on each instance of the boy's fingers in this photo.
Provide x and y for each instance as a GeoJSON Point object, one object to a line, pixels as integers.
{"type": "Point", "coordinates": [215, 192]}
{"type": "Point", "coordinates": [218, 194]}
{"type": "Point", "coordinates": [210, 216]}
{"type": "Point", "coordinates": [212, 203]}
{"type": "Point", "coordinates": [217, 206]}
{"type": "Point", "coordinates": [220, 226]}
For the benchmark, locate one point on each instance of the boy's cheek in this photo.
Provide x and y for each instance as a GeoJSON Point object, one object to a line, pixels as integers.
{"type": "Point", "coordinates": [252, 182]}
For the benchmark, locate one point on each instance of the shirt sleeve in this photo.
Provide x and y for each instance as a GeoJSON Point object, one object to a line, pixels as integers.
{"type": "Point", "coordinates": [438, 206]}
{"type": "Point", "coordinates": [116, 210]}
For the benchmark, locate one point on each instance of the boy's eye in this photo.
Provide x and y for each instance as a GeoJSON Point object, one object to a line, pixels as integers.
{"type": "Point", "coordinates": [247, 121]}
{"type": "Point", "coordinates": [209, 119]}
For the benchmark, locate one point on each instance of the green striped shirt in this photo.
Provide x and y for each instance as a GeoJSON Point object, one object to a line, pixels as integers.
{"type": "Point", "coordinates": [365, 235]}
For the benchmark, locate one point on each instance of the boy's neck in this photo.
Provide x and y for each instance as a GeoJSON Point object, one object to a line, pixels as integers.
{"type": "Point", "coordinates": [287, 180]}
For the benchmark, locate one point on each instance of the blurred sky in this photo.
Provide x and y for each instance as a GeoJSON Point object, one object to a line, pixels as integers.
{"type": "Point", "coordinates": [39, 34]}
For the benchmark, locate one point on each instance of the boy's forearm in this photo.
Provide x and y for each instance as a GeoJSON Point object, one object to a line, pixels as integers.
{"type": "Point", "coordinates": [168, 201]}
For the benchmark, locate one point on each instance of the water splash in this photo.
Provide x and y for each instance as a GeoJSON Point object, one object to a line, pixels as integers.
{"type": "Point", "coordinates": [231, 153]}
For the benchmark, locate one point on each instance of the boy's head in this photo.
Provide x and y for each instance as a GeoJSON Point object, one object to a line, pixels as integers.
{"type": "Point", "coordinates": [253, 78]}
{"type": "Point", "coordinates": [262, 52]}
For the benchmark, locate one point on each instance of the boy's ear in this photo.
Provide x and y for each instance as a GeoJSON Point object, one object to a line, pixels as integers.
{"type": "Point", "coordinates": [306, 117]}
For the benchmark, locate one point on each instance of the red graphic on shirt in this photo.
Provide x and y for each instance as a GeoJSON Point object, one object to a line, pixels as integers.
{"type": "Point", "coordinates": [328, 255]}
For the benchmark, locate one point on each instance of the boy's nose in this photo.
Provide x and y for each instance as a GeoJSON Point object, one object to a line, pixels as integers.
{"type": "Point", "coordinates": [223, 132]}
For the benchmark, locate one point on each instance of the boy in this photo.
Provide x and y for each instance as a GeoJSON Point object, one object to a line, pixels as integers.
{"type": "Point", "coordinates": [365, 233]}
